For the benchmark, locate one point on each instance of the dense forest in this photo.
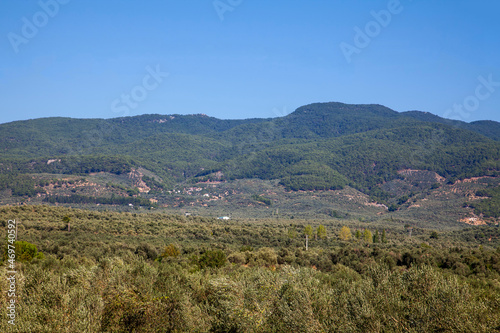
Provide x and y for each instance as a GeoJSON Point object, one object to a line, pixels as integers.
{"type": "Point", "coordinates": [322, 146]}
{"type": "Point", "coordinates": [490, 206]}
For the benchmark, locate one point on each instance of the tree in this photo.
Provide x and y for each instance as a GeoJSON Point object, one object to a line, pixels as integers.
{"type": "Point", "coordinates": [212, 258]}
{"type": "Point", "coordinates": [67, 220]}
{"type": "Point", "coordinates": [393, 208]}
{"type": "Point", "coordinates": [308, 230]}
{"type": "Point", "coordinates": [367, 236]}
{"type": "Point", "coordinates": [321, 232]}
{"type": "Point", "coordinates": [384, 239]}
{"type": "Point", "coordinates": [147, 251]}
{"type": "Point", "coordinates": [434, 235]}
{"type": "Point", "coordinates": [170, 251]}
{"type": "Point", "coordinates": [358, 234]}
{"type": "Point", "coordinates": [345, 233]}
{"type": "Point", "coordinates": [24, 251]}
{"type": "Point", "coordinates": [376, 237]}
{"type": "Point", "coordinates": [409, 228]}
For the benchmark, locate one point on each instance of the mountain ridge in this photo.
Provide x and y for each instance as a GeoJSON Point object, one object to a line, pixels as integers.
{"type": "Point", "coordinates": [319, 146]}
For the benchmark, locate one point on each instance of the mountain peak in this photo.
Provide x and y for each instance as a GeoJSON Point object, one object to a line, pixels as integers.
{"type": "Point", "coordinates": [342, 109]}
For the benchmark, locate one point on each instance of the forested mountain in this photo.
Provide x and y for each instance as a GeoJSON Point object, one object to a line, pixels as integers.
{"type": "Point", "coordinates": [488, 128]}
{"type": "Point", "coordinates": [319, 146]}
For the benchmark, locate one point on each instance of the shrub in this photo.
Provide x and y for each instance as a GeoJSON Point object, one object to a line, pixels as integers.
{"type": "Point", "coordinates": [170, 251]}
{"type": "Point", "coordinates": [237, 258]}
{"type": "Point", "coordinates": [212, 258]}
{"type": "Point", "coordinates": [25, 251]}
{"type": "Point", "coordinates": [147, 251]}
{"type": "Point", "coordinates": [265, 257]}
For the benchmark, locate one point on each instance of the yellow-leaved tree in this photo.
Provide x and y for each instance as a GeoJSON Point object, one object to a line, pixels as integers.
{"type": "Point", "coordinates": [345, 233]}
{"type": "Point", "coordinates": [367, 236]}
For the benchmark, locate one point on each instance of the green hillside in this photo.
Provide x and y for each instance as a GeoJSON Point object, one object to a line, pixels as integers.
{"type": "Point", "coordinates": [487, 128]}
{"type": "Point", "coordinates": [321, 146]}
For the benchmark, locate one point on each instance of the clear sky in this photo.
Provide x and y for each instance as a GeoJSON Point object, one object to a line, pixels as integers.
{"type": "Point", "coordinates": [236, 59]}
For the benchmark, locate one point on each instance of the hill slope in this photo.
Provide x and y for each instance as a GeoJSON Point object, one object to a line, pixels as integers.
{"type": "Point", "coordinates": [487, 128]}
{"type": "Point", "coordinates": [321, 146]}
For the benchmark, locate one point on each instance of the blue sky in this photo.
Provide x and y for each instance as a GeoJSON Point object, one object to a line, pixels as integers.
{"type": "Point", "coordinates": [237, 59]}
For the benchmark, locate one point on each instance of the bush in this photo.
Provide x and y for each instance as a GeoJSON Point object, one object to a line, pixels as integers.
{"type": "Point", "coordinates": [24, 251]}
{"type": "Point", "coordinates": [263, 257]}
{"type": "Point", "coordinates": [147, 251]}
{"type": "Point", "coordinates": [237, 258]}
{"type": "Point", "coordinates": [212, 258]}
{"type": "Point", "coordinates": [170, 251]}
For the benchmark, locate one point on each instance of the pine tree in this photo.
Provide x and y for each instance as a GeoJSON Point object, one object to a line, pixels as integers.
{"type": "Point", "coordinates": [376, 237]}
{"type": "Point", "coordinates": [384, 239]}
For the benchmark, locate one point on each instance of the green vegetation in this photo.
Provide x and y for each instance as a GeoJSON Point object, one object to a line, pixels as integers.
{"type": "Point", "coordinates": [81, 199]}
{"type": "Point", "coordinates": [148, 272]}
{"type": "Point", "coordinates": [210, 258]}
{"type": "Point", "coordinates": [377, 194]}
{"type": "Point", "coordinates": [488, 128]}
{"type": "Point", "coordinates": [20, 185]}
{"type": "Point", "coordinates": [321, 232]}
{"type": "Point", "coordinates": [367, 236]}
{"type": "Point", "coordinates": [345, 234]}
{"type": "Point", "coordinates": [488, 207]}
{"type": "Point", "coordinates": [322, 146]}
{"type": "Point", "coordinates": [262, 199]}
{"type": "Point", "coordinates": [24, 252]}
